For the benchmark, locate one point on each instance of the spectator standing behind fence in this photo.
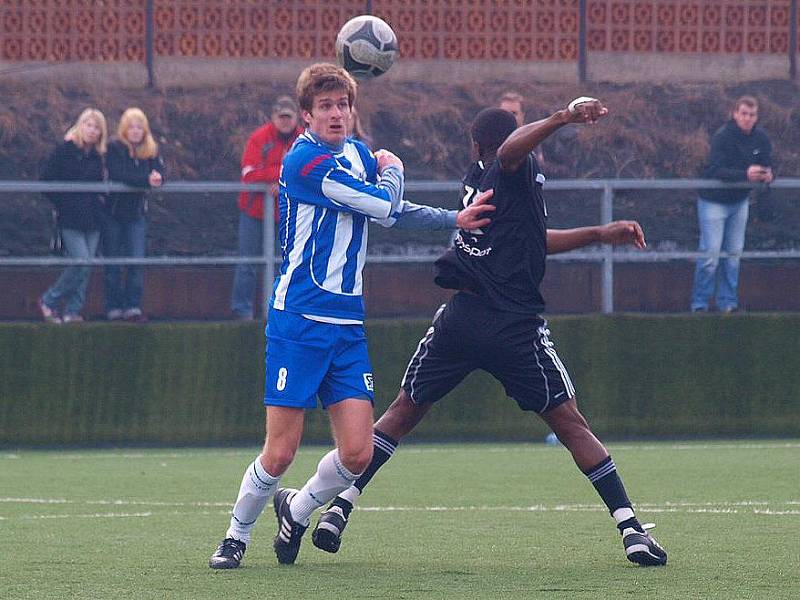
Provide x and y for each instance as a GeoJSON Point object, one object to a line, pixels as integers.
{"type": "Point", "coordinates": [132, 159]}
{"type": "Point", "coordinates": [261, 163]}
{"type": "Point", "coordinates": [78, 158]}
{"type": "Point", "coordinates": [740, 152]}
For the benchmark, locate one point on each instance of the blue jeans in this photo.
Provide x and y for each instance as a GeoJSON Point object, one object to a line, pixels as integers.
{"type": "Point", "coordinates": [70, 287]}
{"type": "Point", "coordinates": [722, 228]}
{"type": "Point", "coordinates": [244, 281]}
{"type": "Point", "coordinates": [122, 240]}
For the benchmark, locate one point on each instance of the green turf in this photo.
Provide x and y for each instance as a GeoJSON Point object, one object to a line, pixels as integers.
{"type": "Point", "coordinates": [443, 521]}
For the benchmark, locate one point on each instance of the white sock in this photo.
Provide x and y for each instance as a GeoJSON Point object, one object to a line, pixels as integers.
{"type": "Point", "coordinates": [330, 479]}
{"type": "Point", "coordinates": [256, 489]}
{"type": "Point", "coordinates": [351, 494]}
{"type": "Point", "coordinates": [623, 514]}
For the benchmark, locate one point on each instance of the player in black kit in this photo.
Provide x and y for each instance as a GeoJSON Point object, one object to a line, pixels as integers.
{"type": "Point", "coordinates": [493, 322]}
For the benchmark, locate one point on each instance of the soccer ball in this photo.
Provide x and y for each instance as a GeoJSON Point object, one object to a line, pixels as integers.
{"type": "Point", "coordinates": [366, 47]}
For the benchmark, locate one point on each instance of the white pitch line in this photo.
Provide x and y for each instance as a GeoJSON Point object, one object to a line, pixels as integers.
{"type": "Point", "coordinates": [721, 503]}
{"type": "Point", "coordinates": [36, 501]}
{"type": "Point", "coordinates": [155, 503]}
{"type": "Point", "coordinates": [145, 455]}
{"type": "Point", "coordinates": [528, 447]}
{"type": "Point", "coordinates": [665, 505]}
{"type": "Point", "coordinates": [710, 447]}
{"type": "Point", "coordinates": [91, 516]}
{"type": "Point", "coordinates": [568, 508]}
{"type": "Point", "coordinates": [139, 515]}
{"type": "Point", "coordinates": [414, 449]}
{"type": "Point", "coordinates": [110, 502]}
{"type": "Point", "coordinates": [776, 512]}
{"type": "Point", "coordinates": [722, 508]}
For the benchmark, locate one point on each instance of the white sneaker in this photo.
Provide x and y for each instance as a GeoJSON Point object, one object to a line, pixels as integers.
{"type": "Point", "coordinates": [73, 319]}
{"type": "Point", "coordinates": [134, 315]}
{"type": "Point", "coordinates": [114, 314]}
{"type": "Point", "coordinates": [48, 314]}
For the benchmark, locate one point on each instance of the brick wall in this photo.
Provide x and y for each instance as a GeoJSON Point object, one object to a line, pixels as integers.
{"type": "Point", "coordinates": [484, 30]}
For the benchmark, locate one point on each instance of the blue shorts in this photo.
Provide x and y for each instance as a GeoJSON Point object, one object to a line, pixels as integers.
{"type": "Point", "coordinates": [307, 359]}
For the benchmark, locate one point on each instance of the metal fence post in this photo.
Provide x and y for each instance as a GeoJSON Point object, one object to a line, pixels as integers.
{"type": "Point", "coordinates": [149, 52]}
{"type": "Point", "coordinates": [582, 55]}
{"type": "Point", "coordinates": [268, 247]}
{"type": "Point", "coordinates": [793, 40]}
{"type": "Point", "coordinates": [607, 282]}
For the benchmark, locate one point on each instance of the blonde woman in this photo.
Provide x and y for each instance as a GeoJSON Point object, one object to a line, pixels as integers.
{"type": "Point", "coordinates": [78, 158]}
{"type": "Point", "coordinates": [132, 159]}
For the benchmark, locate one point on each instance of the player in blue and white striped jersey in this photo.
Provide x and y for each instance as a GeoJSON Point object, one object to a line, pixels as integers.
{"type": "Point", "coordinates": [327, 196]}
{"type": "Point", "coordinates": [331, 186]}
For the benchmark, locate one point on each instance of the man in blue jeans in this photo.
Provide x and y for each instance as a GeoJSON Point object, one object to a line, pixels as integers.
{"type": "Point", "coordinates": [740, 151]}
{"type": "Point", "coordinates": [261, 163]}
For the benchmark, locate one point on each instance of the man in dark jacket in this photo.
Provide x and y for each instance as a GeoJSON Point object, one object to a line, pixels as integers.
{"type": "Point", "coordinates": [740, 152]}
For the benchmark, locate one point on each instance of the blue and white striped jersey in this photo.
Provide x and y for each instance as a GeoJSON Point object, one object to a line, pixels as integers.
{"type": "Point", "coordinates": [326, 199]}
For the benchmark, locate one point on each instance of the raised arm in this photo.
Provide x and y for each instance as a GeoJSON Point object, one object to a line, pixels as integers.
{"type": "Point", "coordinates": [520, 143]}
{"type": "Point", "coordinates": [615, 233]}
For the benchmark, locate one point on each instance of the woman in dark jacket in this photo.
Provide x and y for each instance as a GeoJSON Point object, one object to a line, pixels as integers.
{"type": "Point", "coordinates": [79, 158]}
{"type": "Point", "coordinates": [132, 159]}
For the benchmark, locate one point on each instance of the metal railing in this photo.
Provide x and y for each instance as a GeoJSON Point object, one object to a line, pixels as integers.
{"type": "Point", "coordinates": [267, 259]}
{"type": "Point", "coordinates": [607, 255]}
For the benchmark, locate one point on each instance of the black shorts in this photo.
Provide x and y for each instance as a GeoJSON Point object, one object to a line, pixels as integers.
{"type": "Point", "coordinates": [466, 335]}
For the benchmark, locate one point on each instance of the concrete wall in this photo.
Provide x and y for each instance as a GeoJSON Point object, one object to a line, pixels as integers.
{"type": "Point", "coordinates": [602, 66]}
{"type": "Point", "coordinates": [393, 291]}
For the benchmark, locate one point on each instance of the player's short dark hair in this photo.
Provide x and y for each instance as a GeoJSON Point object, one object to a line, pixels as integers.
{"type": "Point", "coordinates": [323, 77]}
{"type": "Point", "coordinates": [491, 127]}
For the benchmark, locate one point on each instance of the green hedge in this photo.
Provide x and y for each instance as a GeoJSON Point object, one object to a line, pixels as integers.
{"type": "Point", "coordinates": [636, 376]}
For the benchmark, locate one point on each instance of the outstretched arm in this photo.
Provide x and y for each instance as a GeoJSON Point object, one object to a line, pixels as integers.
{"type": "Point", "coordinates": [615, 233]}
{"type": "Point", "coordinates": [522, 141]}
{"type": "Point", "coordinates": [420, 216]}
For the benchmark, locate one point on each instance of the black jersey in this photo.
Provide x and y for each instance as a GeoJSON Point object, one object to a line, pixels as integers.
{"type": "Point", "coordinates": [503, 262]}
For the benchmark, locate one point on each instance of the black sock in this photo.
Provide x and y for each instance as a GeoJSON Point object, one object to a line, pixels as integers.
{"type": "Point", "coordinates": [632, 522]}
{"type": "Point", "coordinates": [606, 481]}
{"type": "Point", "coordinates": [384, 447]}
{"type": "Point", "coordinates": [344, 505]}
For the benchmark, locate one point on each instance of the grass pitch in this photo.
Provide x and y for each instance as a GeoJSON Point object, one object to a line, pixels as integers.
{"type": "Point", "coordinates": [439, 521]}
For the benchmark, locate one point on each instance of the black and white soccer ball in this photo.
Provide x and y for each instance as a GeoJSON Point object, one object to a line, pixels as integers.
{"type": "Point", "coordinates": [366, 46]}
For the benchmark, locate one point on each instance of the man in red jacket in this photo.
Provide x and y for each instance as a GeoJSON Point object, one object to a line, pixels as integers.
{"type": "Point", "coordinates": [261, 163]}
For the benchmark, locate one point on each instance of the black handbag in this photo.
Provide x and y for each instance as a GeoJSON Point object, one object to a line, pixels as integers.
{"type": "Point", "coordinates": [56, 242]}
